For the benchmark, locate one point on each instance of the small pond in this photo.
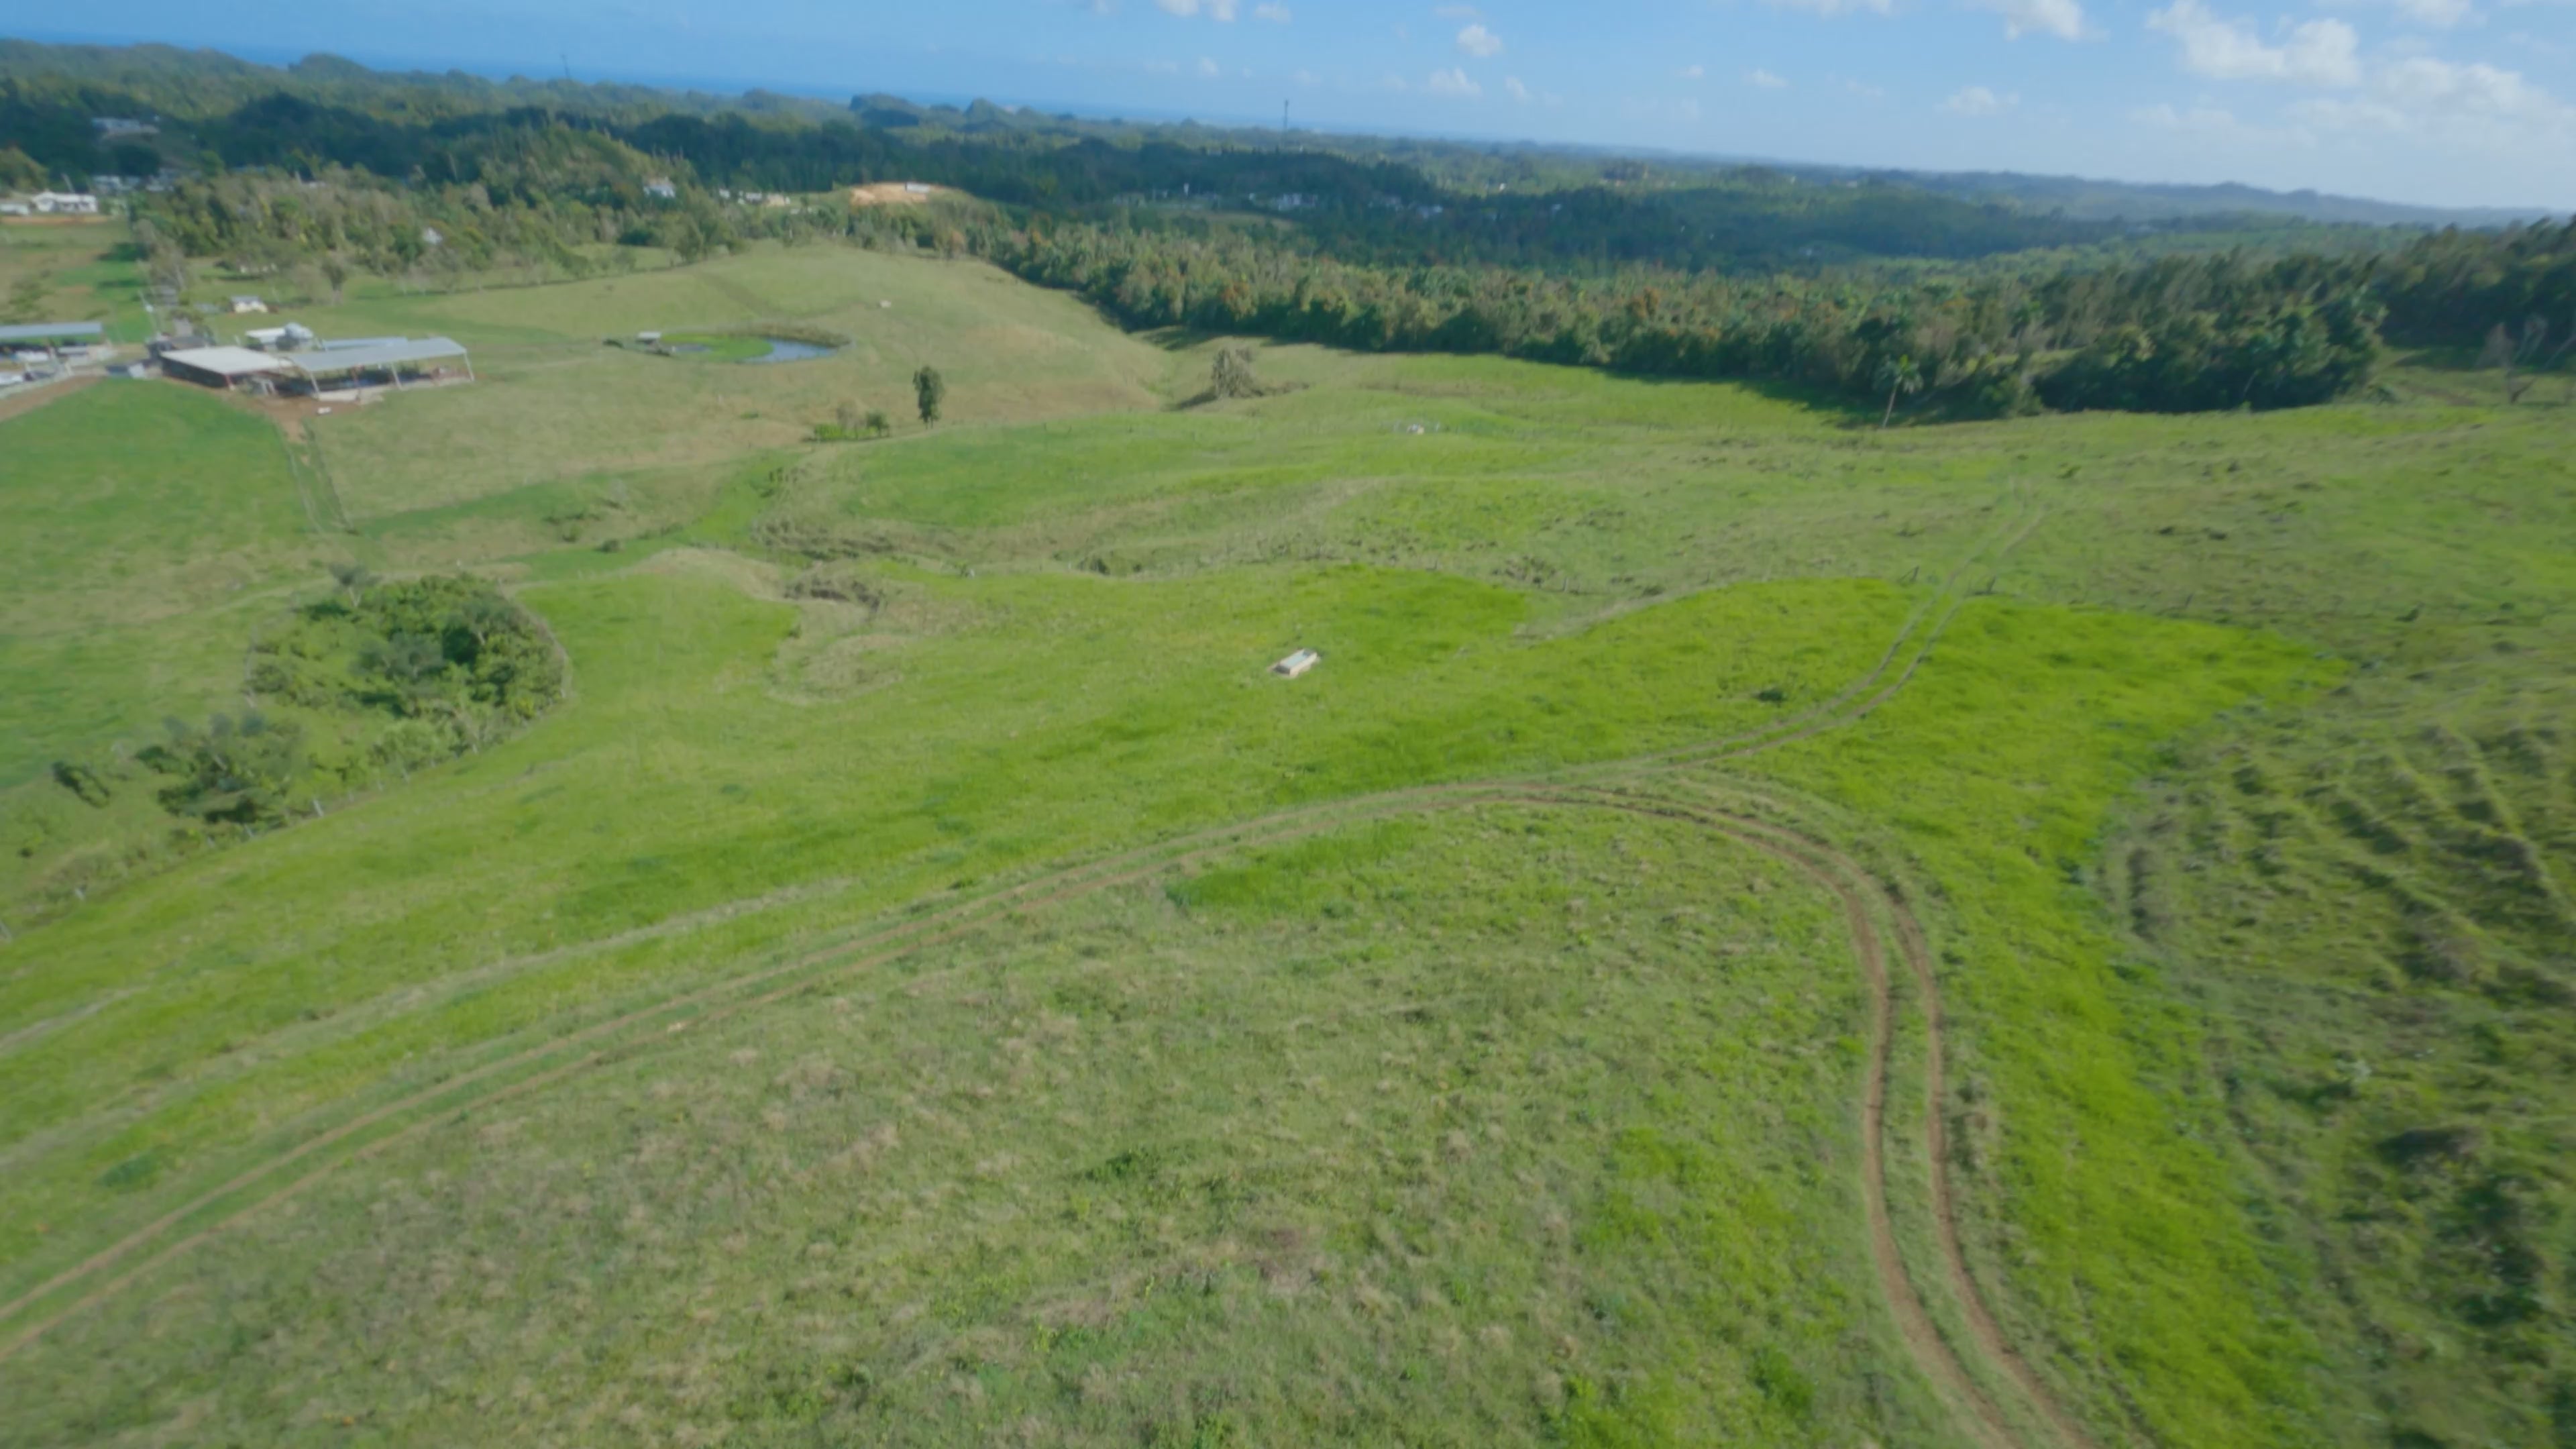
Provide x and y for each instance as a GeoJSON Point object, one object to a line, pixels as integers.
{"type": "Point", "coordinates": [788, 349]}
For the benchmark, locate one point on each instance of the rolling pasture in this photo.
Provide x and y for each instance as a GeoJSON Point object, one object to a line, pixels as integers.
{"type": "Point", "coordinates": [1759, 930]}
{"type": "Point", "coordinates": [73, 271]}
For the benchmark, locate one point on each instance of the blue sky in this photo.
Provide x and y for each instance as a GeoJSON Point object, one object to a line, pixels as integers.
{"type": "Point", "coordinates": [2458, 102]}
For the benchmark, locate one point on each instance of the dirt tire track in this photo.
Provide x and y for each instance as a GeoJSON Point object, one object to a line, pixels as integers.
{"type": "Point", "coordinates": [1816, 719]}
{"type": "Point", "coordinates": [1837, 873]}
{"type": "Point", "coordinates": [1732, 747]}
{"type": "Point", "coordinates": [1728, 747]}
{"type": "Point", "coordinates": [1830, 869]}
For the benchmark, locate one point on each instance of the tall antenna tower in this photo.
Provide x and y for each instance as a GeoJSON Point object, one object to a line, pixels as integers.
{"type": "Point", "coordinates": [1283, 125]}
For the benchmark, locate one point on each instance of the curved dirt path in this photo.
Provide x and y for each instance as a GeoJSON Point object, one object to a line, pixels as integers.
{"type": "Point", "coordinates": [1940, 607]}
{"type": "Point", "coordinates": [1825, 867]}
{"type": "Point", "coordinates": [1859, 894]}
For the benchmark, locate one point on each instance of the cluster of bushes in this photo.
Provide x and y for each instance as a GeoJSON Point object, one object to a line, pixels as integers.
{"type": "Point", "coordinates": [852, 424]}
{"type": "Point", "coordinates": [381, 677]}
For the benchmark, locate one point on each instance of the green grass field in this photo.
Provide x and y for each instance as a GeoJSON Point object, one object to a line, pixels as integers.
{"type": "Point", "coordinates": [81, 272]}
{"type": "Point", "coordinates": [930, 984]}
{"type": "Point", "coordinates": [143, 527]}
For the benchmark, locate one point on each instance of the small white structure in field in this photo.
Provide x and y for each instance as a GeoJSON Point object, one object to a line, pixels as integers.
{"type": "Point", "coordinates": [248, 304]}
{"type": "Point", "coordinates": [1296, 664]}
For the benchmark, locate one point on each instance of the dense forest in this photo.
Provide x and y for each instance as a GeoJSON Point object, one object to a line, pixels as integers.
{"type": "Point", "coordinates": [1867, 288]}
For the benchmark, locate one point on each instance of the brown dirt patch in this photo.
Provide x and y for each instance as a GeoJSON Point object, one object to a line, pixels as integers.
{"type": "Point", "coordinates": [895, 193]}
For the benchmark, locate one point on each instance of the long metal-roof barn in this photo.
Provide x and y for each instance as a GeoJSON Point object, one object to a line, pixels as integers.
{"type": "Point", "coordinates": [221, 366]}
{"type": "Point", "coordinates": [393, 359]}
{"type": "Point", "coordinates": [46, 334]}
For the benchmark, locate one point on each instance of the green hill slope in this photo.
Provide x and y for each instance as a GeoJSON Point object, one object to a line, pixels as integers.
{"type": "Point", "coordinates": [1758, 927]}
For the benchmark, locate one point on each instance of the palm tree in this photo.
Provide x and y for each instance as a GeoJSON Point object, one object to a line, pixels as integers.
{"type": "Point", "coordinates": [1899, 376]}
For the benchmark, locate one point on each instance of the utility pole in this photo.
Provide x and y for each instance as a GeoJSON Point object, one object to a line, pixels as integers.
{"type": "Point", "coordinates": [1283, 125]}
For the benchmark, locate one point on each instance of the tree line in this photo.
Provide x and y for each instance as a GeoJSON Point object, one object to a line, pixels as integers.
{"type": "Point", "coordinates": [2175, 334]}
{"type": "Point", "coordinates": [1872, 290]}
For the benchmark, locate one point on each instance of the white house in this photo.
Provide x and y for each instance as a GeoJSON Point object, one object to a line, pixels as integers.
{"type": "Point", "coordinates": [118, 128]}
{"type": "Point", "coordinates": [65, 203]}
{"type": "Point", "coordinates": [248, 304]}
{"type": "Point", "coordinates": [16, 208]}
{"type": "Point", "coordinates": [661, 189]}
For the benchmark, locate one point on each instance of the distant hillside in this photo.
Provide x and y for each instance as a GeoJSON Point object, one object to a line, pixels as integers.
{"type": "Point", "coordinates": [2081, 198]}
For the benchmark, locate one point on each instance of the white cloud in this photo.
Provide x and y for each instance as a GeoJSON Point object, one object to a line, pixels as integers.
{"type": "Point", "coordinates": [2315, 52]}
{"type": "Point", "coordinates": [2474, 104]}
{"type": "Point", "coordinates": [1452, 82]}
{"type": "Point", "coordinates": [1479, 42]}
{"type": "Point", "coordinates": [1162, 67]}
{"type": "Point", "coordinates": [1693, 72]}
{"type": "Point", "coordinates": [1275, 14]}
{"type": "Point", "coordinates": [1831, 8]}
{"type": "Point", "coordinates": [2061, 18]}
{"type": "Point", "coordinates": [1209, 68]}
{"type": "Point", "coordinates": [2217, 124]}
{"type": "Point", "coordinates": [1179, 7]}
{"type": "Point", "coordinates": [2431, 14]}
{"type": "Point", "coordinates": [1765, 80]}
{"type": "Point", "coordinates": [1863, 88]}
{"type": "Point", "coordinates": [1304, 78]}
{"type": "Point", "coordinates": [1391, 82]}
{"type": "Point", "coordinates": [1221, 10]}
{"type": "Point", "coordinates": [1512, 87]}
{"type": "Point", "coordinates": [1979, 101]}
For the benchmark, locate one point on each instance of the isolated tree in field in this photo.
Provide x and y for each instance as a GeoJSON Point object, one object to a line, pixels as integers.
{"type": "Point", "coordinates": [929, 390]}
{"type": "Point", "coordinates": [354, 580]}
{"type": "Point", "coordinates": [850, 418]}
{"type": "Point", "coordinates": [878, 424]}
{"type": "Point", "coordinates": [1900, 377]}
{"type": "Point", "coordinates": [232, 771]}
{"type": "Point", "coordinates": [335, 270]}
{"type": "Point", "coordinates": [1232, 375]}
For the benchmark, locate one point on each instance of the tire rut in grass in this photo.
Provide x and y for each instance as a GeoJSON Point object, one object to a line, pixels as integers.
{"type": "Point", "coordinates": [1829, 869]}
{"type": "Point", "coordinates": [1825, 866]}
